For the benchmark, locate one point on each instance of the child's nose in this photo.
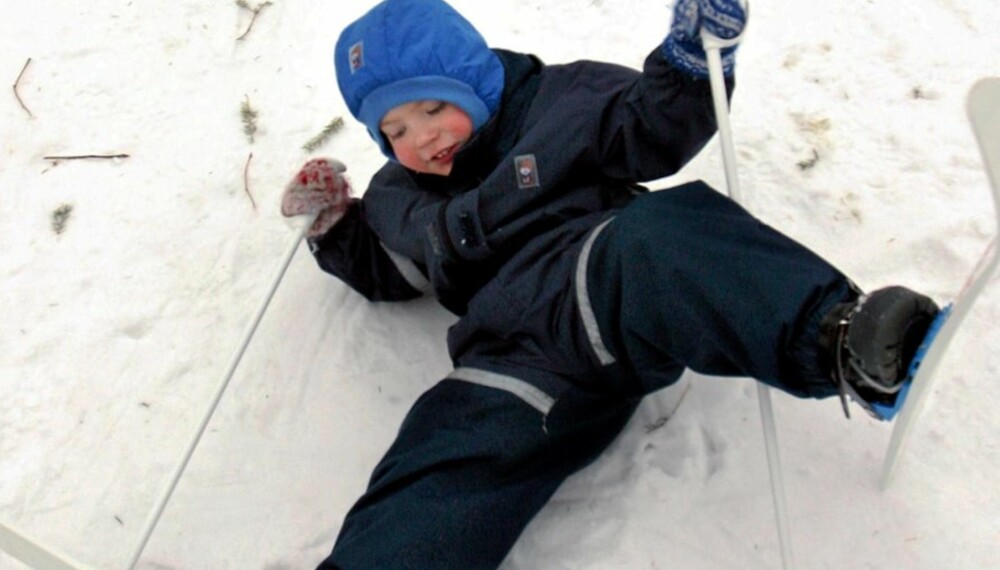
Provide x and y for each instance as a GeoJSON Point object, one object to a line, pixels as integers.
{"type": "Point", "coordinates": [425, 136]}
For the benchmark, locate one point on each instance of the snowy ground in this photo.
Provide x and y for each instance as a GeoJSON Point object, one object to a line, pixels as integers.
{"type": "Point", "coordinates": [116, 331]}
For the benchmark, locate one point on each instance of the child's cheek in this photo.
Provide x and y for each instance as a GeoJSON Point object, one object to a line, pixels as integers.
{"type": "Point", "coordinates": [407, 157]}
{"type": "Point", "coordinates": [460, 125]}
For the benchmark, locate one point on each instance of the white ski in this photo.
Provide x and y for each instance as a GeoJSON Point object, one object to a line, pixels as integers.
{"type": "Point", "coordinates": [983, 108]}
{"type": "Point", "coordinates": [32, 553]}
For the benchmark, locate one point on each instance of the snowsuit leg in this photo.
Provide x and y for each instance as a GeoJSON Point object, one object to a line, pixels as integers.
{"type": "Point", "coordinates": [687, 276]}
{"type": "Point", "coordinates": [470, 467]}
{"type": "Point", "coordinates": [481, 452]}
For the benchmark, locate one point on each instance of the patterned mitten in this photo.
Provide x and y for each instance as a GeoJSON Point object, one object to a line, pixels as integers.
{"type": "Point", "coordinates": [320, 189]}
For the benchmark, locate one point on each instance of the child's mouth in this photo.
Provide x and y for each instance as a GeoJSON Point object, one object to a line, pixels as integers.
{"type": "Point", "coordinates": [445, 155]}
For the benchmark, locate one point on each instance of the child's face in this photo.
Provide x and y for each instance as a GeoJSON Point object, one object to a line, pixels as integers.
{"type": "Point", "coordinates": [425, 135]}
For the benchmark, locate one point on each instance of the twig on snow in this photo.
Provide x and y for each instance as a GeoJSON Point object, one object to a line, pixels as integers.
{"type": "Point", "coordinates": [328, 131]}
{"type": "Point", "coordinates": [85, 156]}
{"type": "Point", "coordinates": [246, 183]}
{"type": "Point", "coordinates": [16, 82]}
{"type": "Point", "coordinates": [253, 18]}
{"type": "Point", "coordinates": [249, 116]}
{"type": "Point", "coordinates": [60, 216]}
{"type": "Point", "coordinates": [809, 162]}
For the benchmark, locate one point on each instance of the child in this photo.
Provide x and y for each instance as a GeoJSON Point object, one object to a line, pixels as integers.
{"type": "Point", "coordinates": [510, 193]}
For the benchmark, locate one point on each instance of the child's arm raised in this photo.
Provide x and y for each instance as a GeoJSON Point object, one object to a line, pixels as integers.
{"type": "Point", "coordinates": [665, 118]}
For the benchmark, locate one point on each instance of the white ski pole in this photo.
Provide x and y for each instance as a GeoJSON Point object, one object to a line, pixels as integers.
{"type": "Point", "coordinates": [154, 518]}
{"type": "Point", "coordinates": [982, 104]}
{"type": "Point", "coordinates": [713, 46]}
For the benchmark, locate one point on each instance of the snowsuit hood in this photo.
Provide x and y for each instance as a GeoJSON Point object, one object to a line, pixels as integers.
{"type": "Point", "coordinates": [402, 51]}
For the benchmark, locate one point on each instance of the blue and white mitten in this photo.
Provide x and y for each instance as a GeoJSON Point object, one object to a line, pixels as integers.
{"type": "Point", "coordinates": [724, 19]}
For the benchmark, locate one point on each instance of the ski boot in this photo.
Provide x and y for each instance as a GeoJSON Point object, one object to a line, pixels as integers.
{"type": "Point", "coordinates": [869, 343]}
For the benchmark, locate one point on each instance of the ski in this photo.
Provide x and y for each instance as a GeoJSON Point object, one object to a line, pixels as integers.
{"type": "Point", "coordinates": [32, 553]}
{"type": "Point", "coordinates": [983, 109]}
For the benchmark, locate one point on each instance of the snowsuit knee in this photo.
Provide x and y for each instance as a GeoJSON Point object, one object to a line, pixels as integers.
{"type": "Point", "coordinates": [687, 276]}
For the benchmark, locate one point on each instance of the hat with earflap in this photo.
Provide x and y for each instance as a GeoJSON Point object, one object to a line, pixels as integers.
{"type": "Point", "coordinates": [402, 51]}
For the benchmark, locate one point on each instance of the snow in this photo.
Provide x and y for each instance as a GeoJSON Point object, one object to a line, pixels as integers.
{"type": "Point", "coordinates": [116, 332]}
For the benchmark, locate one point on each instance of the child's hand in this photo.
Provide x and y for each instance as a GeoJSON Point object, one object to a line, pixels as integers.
{"type": "Point", "coordinates": [319, 188]}
{"type": "Point", "coordinates": [724, 19]}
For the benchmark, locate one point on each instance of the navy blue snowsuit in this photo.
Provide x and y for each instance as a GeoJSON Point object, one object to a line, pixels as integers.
{"type": "Point", "coordinates": [579, 292]}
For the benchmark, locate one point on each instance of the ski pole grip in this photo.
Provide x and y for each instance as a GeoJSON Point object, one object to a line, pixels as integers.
{"type": "Point", "coordinates": [710, 41]}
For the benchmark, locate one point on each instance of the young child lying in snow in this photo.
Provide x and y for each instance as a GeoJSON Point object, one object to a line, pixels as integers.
{"type": "Point", "coordinates": [511, 194]}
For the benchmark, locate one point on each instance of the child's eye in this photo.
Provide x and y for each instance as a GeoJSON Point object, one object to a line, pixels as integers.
{"type": "Point", "coordinates": [436, 108]}
{"type": "Point", "coordinates": [396, 135]}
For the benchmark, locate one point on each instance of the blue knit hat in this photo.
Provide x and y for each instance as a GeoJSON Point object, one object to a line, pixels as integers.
{"type": "Point", "coordinates": [410, 50]}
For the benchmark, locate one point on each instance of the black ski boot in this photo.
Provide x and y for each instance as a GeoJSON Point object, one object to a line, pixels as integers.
{"type": "Point", "coordinates": [869, 343]}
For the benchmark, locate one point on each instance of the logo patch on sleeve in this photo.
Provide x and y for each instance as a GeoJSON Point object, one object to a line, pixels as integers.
{"type": "Point", "coordinates": [527, 171]}
{"type": "Point", "coordinates": [357, 56]}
